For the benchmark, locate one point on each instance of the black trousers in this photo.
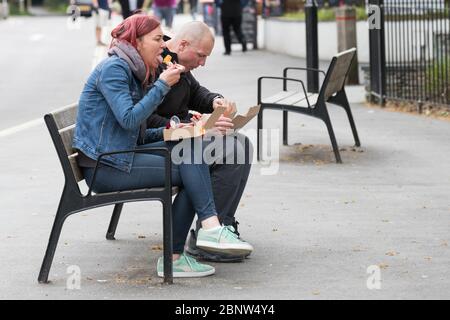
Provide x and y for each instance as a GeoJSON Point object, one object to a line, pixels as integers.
{"type": "Point", "coordinates": [229, 181]}
{"type": "Point", "coordinates": [234, 22]}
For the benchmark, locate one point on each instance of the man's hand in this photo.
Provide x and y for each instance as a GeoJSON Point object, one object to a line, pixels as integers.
{"type": "Point", "coordinates": [223, 125]}
{"type": "Point", "coordinates": [221, 102]}
{"type": "Point", "coordinates": [218, 102]}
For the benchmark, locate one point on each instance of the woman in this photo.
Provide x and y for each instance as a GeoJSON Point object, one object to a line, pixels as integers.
{"type": "Point", "coordinates": [120, 94]}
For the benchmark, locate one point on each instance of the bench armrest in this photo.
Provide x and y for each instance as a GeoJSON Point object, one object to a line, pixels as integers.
{"type": "Point", "coordinates": [163, 150]}
{"type": "Point", "coordinates": [284, 81]}
{"type": "Point", "coordinates": [285, 70]}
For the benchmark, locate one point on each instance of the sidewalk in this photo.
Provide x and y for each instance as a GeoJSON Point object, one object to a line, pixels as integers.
{"type": "Point", "coordinates": [316, 226]}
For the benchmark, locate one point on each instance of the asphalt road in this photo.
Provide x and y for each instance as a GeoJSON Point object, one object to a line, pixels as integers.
{"type": "Point", "coordinates": [43, 65]}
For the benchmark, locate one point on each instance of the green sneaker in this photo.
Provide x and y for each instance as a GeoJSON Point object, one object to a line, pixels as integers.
{"type": "Point", "coordinates": [222, 239]}
{"type": "Point", "coordinates": [186, 267]}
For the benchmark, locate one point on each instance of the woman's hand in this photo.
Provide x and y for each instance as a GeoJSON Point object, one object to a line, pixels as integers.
{"type": "Point", "coordinates": [172, 74]}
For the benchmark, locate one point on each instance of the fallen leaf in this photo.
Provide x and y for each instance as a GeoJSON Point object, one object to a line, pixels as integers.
{"type": "Point", "coordinates": [157, 247]}
{"type": "Point", "coordinates": [392, 253]}
{"type": "Point", "coordinates": [428, 258]}
{"type": "Point", "coordinates": [383, 266]}
{"type": "Point", "coordinates": [141, 237]}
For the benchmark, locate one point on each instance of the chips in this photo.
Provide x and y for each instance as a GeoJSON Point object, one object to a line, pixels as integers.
{"type": "Point", "coordinates": [167, 59]}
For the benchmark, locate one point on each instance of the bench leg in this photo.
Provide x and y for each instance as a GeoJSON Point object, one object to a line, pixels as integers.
{"type": "Point", "coordinates": [114, 221]}
{"type": "Point", "coordinates": [285, 128]}
{"type": "Point", "coordinates": [326, 118]}
{"type": "Point", "coordinates": [51, 247]}
{"type": "Point", "coordinates": [167, 240]}
{"type": "Point", "coordinates": [342, 100]}
{"type": "Point", "coordinates": [258, 134]}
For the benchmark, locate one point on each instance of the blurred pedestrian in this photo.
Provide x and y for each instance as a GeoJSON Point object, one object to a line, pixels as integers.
{"type": "Point", "coordinates": [102, 15]}
{"type": "Point", "coordinates": [165, 10]}
{"type": "Point", "coordinates": [231, 16]}
{"type": "Point", "coordinates": [193, 7]}
{"type": "Point", "coordinates": [128, 6]}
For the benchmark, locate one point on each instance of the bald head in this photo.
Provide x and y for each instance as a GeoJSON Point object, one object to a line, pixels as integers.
{"type": "Point", "coordinates": [193, 44]}
{"type": "Point", "coordinates": [194, 32]}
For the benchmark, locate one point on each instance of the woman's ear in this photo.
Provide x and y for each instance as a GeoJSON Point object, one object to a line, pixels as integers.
{"type": "Point", "coordinates": [139, 43]}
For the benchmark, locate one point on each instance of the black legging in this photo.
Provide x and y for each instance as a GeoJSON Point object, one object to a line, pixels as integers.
{"type": "Point", "coordinates": [234, 22]}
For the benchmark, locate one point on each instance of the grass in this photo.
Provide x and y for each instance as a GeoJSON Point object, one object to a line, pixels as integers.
{"type": "Point", "coordinates": [14, 10]}
{"type": "Point", "coordinates": [436, 76]}
{"type": "Point", "coordinates": [323, 15]}
{"type": "Point", "coordinates": [60, 8]}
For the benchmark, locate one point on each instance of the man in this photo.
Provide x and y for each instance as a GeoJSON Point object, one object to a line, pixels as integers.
{"type": "Point", "coordinates": [190, 47]}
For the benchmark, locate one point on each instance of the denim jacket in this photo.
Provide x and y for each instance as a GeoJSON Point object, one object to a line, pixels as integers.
{"type": "Point", "coordinates": [111, 108]}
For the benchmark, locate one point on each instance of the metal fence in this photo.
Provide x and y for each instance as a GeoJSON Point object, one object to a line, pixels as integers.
{"type": "Point", "coordinates": [415, 42]}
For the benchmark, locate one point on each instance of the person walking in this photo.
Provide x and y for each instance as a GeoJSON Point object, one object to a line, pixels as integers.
{"type": "Point", "coordinates": [165, 10]}
{"type": "Point", "coordinates": [102, 12]}
{"type": "Point", "coordinates": [231, 17]}
{"type": "Point", "coordinates": [129, 6]}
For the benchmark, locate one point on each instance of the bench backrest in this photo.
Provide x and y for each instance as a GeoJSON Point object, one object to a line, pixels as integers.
{"type": "Point", "coordinates": [337, 73]}
{"type": "Point", "coordinates": [61, 125]}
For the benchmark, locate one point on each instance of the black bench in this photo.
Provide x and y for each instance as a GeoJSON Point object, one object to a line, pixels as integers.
{"type": "Point", "coordinates": [61, 125]}
{"type": "Point", "coordinates": [309, 103]}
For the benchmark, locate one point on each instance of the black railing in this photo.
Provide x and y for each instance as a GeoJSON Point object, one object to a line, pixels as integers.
{"type": "Point", "coordinates": [417, 50]}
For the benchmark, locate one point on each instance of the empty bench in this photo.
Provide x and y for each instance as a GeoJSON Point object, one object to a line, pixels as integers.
{"type": "Point", "coordinates": [309, 103]}
{"type": "Point", "coordinates": [61, 125]}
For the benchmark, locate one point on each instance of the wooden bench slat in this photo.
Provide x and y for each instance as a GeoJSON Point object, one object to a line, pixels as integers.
{"type": "Point", "coordinates": [75, 168]}
{"type": "Point", "coordinates": [312, 98]}
{"type": "Point", "coordinates": [66, 116]}
{"type": "Point", "coordinates": [67, 138]}
{"type": "Point", "coordinates": [337, 77]}
{"type": "Point", "coordinates": [277, 97]}
{"type": "Point", "coordinates": [292, 99]}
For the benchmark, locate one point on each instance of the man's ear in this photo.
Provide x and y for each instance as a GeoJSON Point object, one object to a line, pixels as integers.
{"type": "Point", "coordinates": [183, 45]}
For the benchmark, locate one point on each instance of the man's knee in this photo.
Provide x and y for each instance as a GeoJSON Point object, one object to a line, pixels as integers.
{"type": "Point", "coordinates": [244, 148]}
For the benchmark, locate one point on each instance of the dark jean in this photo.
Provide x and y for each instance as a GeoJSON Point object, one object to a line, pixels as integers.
{"type": "Point", "coordinates": [148, 171]}
{"type": "Point", "coordinates": [229, 180]}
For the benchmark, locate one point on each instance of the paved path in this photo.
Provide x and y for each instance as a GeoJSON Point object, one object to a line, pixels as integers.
{"type": "Point", "coordinates": [316, 226]}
